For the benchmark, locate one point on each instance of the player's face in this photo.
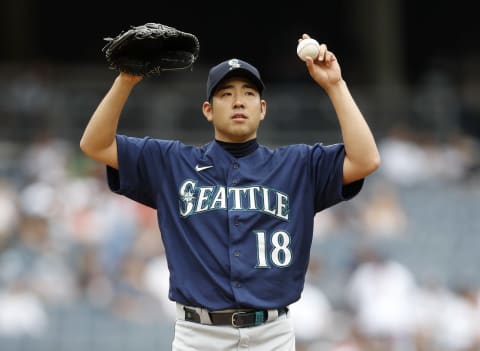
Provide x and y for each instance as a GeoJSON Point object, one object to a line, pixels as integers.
{"type": "Point", "coordinates": [235, 111]}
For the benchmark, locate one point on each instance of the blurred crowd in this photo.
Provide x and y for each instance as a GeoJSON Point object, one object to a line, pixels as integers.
{"type": "Point", "coordinates": [64, 238]}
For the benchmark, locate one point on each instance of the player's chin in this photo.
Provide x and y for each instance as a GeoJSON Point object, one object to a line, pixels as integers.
{"type": "Point", "coordinates": [245, 123]}
{"type": "Point", "coordinates": [240, 133]}
{"type": "Point", "coordinates": [242, 128]}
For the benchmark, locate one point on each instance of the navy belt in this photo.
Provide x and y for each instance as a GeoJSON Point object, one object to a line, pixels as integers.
{"type": "Point", "coordinates": [238, 318]}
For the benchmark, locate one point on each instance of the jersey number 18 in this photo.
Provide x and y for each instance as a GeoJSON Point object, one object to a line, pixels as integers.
{"type": "Point", "coordinates": [280, 253]}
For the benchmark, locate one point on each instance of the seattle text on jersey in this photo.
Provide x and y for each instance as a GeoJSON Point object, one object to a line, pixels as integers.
{"type": "Point", "coordinates": [196, 199]}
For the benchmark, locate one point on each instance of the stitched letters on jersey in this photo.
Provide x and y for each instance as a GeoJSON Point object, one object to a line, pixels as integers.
{"type": "Point", "coordinates": [196, 199]}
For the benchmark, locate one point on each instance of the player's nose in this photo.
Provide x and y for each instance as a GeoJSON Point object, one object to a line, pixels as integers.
{"type": "Point", "coordinates": [238, 102]}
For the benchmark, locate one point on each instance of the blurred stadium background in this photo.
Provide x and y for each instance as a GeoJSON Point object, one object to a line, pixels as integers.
{"type": "Point", "coordinates": [395, 269]}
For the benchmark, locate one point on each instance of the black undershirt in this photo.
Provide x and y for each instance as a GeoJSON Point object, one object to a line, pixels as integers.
{"type": "Point", "coordinates": [239, 149]}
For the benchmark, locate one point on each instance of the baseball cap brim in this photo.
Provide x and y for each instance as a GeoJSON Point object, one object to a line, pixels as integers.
{"type": "Point", "coordinates": [233, 68]}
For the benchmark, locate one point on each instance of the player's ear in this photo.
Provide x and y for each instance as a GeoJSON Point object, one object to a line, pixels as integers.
{"type": "Point", "coordinates": [207, 110]}
{"type": "Point", "coordinates": [263, 109]}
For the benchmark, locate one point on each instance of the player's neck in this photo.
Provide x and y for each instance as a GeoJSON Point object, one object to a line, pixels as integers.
{"type": "Point", "coordinates": [239, 149]}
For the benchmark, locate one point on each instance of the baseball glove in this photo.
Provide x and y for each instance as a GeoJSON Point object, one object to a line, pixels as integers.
{"type": "Point", "coordinates": [150, 49]}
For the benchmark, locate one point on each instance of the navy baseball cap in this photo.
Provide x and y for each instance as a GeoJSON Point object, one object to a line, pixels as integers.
{"type": "Point", "coordinates": [229, 68]}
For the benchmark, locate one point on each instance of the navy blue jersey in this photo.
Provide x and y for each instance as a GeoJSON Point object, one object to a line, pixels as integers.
{"type": "Point", "coordinates": [237, 231]}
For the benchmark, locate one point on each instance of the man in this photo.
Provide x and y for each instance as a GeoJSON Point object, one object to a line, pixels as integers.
{"type": "Point", "coordinates": [236, 217]}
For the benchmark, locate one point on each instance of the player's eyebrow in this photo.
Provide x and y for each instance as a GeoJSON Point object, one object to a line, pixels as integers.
{"type": "Point", "coordinates": [246, 85]}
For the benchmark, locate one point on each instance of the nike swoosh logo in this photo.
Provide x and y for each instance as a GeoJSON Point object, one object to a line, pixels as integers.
{"type": "Point", "coordinates": [198, 168]}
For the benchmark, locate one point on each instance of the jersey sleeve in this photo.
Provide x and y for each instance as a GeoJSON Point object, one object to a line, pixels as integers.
{"type": "Point", "coordinates": [134, 175]}
{"type": "Point", "coordinates": [327, 168]}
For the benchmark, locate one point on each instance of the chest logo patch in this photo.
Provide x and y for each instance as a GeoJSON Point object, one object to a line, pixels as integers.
{"type": "Point", "coordinates": [199, 168]}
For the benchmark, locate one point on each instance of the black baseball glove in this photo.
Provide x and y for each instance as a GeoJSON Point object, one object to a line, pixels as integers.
{"type": "Point", "coordinates": [150, 49]}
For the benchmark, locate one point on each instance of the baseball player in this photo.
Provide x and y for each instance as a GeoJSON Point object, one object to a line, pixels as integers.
{"type": "Point", "coordinates": [236, 217]}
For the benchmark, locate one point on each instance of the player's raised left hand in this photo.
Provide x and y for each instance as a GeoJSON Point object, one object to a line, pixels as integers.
{"type": "Point", "coordinates": [324, 69]}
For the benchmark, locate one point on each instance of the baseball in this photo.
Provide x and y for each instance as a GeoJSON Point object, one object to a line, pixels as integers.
{"type": "Point", "coordinates": [308, 47]}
